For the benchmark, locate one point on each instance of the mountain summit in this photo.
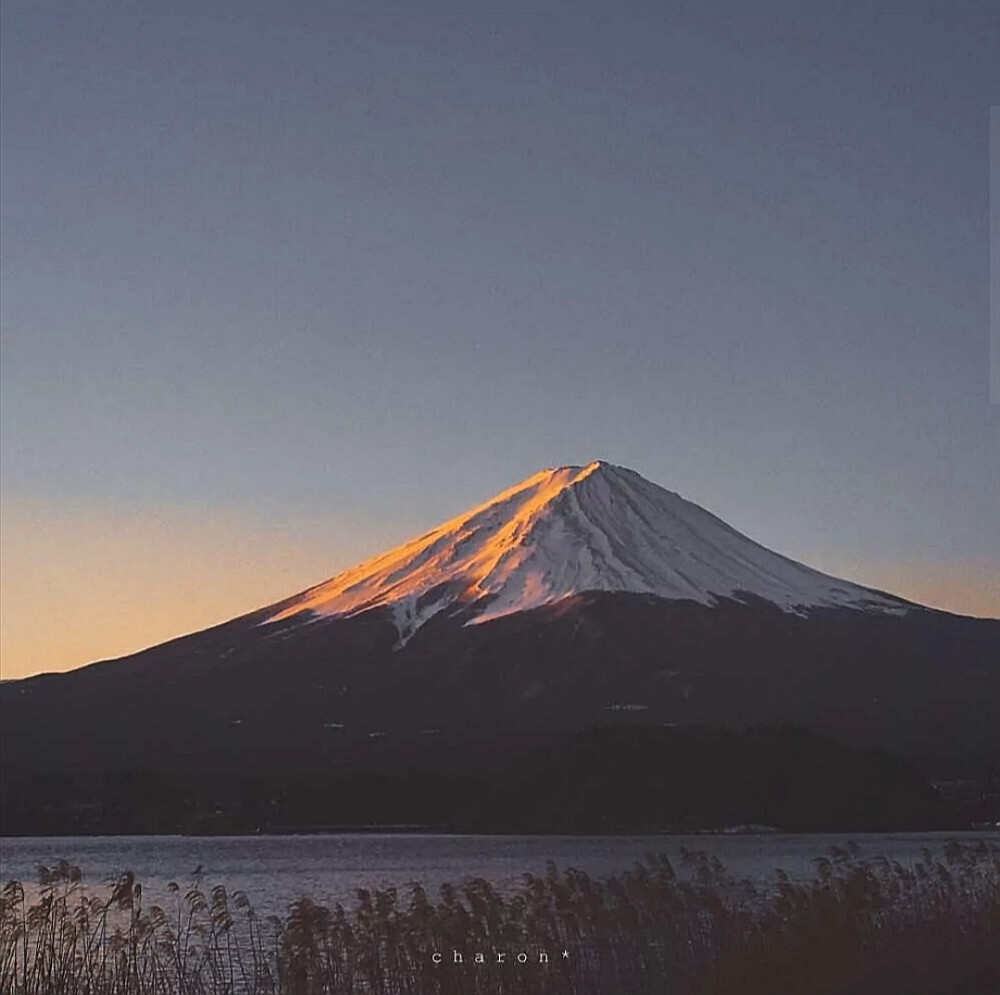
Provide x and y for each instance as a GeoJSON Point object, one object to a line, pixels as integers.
{"type": "Point", "coordinates": [569, 530]}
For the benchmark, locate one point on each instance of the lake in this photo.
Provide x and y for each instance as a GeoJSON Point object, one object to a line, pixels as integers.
{"type": "Point", "coordinates": [275, 870]}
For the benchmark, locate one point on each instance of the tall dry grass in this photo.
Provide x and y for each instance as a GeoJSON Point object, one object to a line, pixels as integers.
{"type": "Point", "coordinates": [861, 926]}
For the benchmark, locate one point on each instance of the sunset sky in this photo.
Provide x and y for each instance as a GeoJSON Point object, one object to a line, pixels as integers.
{"type": "Point", "coordinates": [284, 285]}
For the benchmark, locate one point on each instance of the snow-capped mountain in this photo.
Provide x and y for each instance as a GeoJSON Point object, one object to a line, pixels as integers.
{"type": "Point", "coordinates": [609, 602]}
{"type": "Point", "coordinates": [570, 530]}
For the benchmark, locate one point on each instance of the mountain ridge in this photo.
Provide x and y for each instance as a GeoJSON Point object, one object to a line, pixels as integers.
{"type": "Point", "coordinates": [566, 530]}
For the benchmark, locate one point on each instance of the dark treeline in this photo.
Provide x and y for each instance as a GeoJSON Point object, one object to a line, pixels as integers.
{"type": "Point", "coordinates": [613, 779]}
{"type": "Point", "coordinates": [621, 779]}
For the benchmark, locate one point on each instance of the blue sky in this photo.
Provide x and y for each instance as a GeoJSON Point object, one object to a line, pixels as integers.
{"type": "Point", "coordinates": [293, 283]}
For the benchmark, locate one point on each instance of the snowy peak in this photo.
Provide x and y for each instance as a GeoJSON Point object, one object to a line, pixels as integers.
{"type": "Point", "coordinates": [567, 530]}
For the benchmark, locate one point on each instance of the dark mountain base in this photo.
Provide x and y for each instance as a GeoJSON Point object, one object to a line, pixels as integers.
{"type": "Point", "coordinates": [333, 723]}
{"type": "Point", "coordinates": [924, 685]}
{"type": "Point", "coordinates": [604, 780]}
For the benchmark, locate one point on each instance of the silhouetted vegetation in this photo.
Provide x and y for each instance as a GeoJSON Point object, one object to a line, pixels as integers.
{"type": "Point", "coordinates": [860, 927]}
{"type": "Point", "coordinates": [615, 779]}
{"type": "Point", "coordinates": [619, 779]}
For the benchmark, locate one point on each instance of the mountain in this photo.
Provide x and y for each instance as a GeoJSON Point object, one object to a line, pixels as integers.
{"type": "Point", "coordinates": [569, 530]}
{"type": "Point", "coordinates": [582, 597]}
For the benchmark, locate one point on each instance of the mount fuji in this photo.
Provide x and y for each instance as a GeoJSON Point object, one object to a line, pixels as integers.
{"type": "Point", "coordinates": [565, 531]}
{"type": "Point", "coordinates": [582, 597]}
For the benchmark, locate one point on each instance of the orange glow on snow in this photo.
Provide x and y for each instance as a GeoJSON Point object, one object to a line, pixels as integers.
{"type": "Point", "coordinates": [416, 567]}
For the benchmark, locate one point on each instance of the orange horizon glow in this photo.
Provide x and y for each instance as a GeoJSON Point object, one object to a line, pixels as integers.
{"type": "Point", "coordinates": [84, 585]}
{"type": "Point", "coordinates": [967, 587]}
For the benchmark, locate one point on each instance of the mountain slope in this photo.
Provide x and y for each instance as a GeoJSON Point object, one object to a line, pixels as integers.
{"type": "Point", "coordinates": [569, 530]}
{"type": "Point", "coordinates": [583, 597]}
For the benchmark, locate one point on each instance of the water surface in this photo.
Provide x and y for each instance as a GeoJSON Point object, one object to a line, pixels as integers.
{"type": "Point", "coordinates": [275, 870]}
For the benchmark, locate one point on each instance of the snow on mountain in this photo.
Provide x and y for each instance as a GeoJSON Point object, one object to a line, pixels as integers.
{"type": "Point", "coordinates": [568, 530]}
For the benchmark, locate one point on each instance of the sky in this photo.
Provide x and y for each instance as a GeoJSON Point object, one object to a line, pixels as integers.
{"type": "Point", "coordinates": [284, 285]}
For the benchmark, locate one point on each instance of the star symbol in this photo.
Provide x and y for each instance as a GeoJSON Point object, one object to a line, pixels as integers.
{"type": "Point", "coordinates": [565, 955]}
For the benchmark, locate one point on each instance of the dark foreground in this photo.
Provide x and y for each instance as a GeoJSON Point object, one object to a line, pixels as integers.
{"type": "Point", "coordinates": [861, 926]}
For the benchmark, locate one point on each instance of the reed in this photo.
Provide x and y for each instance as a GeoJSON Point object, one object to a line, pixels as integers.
{"type": "Point", "coordinates": [859, 926]}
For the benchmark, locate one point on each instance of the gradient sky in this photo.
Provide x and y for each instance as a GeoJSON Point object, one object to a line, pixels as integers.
{"type": "Point", "coordinates": [284, 285]}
